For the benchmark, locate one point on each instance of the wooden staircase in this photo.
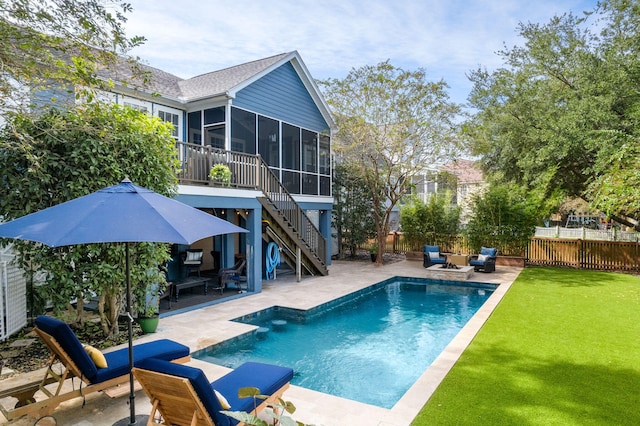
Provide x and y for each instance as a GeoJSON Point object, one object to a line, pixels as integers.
{"type": "Point", "coordinates": [304, 248]}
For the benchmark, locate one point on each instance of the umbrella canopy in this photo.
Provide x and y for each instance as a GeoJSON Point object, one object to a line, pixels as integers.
{"type": "Point", "coordinates": [119, 213]}
{"type": "Point", "coordinates": [123, 213]}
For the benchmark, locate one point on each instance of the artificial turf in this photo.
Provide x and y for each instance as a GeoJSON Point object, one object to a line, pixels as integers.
{"type": "Point", "coordinates": [561, 348]}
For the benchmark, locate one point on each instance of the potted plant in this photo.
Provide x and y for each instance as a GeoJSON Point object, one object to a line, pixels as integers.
{"type": "Point", "coordinates": [148, 309]}
{"type": "Point", "coordinates": [149, 322]}
{"type": "Point", "coordinates": [220, 173]}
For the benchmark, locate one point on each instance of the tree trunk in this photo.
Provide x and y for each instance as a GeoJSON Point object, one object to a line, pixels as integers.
{"type": "Point", "coordinates": [109, 310]}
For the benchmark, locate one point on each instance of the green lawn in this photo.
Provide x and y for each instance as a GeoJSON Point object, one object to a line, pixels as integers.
{"type": "Point", "coordinates": [562, 348]}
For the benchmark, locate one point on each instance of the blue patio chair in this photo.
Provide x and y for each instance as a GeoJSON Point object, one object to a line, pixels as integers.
{"type": "Point", "coordinates": [182, 395]}
{"type": "Point", "coordinates": [432, 256]}
{"type": "Point", "coordinates": [485, 261]}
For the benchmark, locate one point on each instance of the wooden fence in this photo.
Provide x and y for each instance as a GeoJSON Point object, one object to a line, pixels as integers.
{"type": "Point", "coordinates": [584, 254]}
{"type": "Point", "coordinates": [570, 253]}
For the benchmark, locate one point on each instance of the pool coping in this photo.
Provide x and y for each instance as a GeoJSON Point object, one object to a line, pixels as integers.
{"type": "Point", "coordinates": [295, 314]}
{"type": "Point", "coordinates": [203, 327]}
{"type": "Point", "coordinates": [414, 399]}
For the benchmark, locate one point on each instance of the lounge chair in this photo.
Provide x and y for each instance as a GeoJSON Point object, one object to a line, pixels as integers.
{"type": "Point", "coordinates": [432, 256]}
{"type": "Point", "coordinates": [182, 395]}
{"type": "Point", "coordinates": [75, 361]}
{"type": "Point", "coordinates": [485, 261]}
{"type": "Point", "coordinates": [233, 274]}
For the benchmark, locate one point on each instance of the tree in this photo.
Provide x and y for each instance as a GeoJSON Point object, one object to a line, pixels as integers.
{"type": "Point", "coordinates": [54, 44]}
{"type": "Point", "coordinates": [502, 217]}
{"type": "Point", "coordinates": [353, 210]}
{"type": "Point", "coordinates": [391, 123]}
{"type": "Point", "coordinates": [64, 154]}
{"type": "Point", "coordinates": [564, 107]}
{"type": "Point", "coordinates": [429, 222]}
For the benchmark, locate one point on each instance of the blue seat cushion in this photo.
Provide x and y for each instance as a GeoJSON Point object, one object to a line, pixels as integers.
{"type": "Point", "coordinates": [475, 262]}
{"type": "Point", "coordinates": [266, 377]}
{"type": "Point", "coordinates": [117, 361]}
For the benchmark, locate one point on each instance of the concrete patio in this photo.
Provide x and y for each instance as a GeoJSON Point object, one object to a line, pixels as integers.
{"type": "Point", "coordinates": [206, 326]}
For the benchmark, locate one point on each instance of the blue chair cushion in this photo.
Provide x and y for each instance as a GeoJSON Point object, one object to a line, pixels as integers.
{"type": "Point", "coordinates": [117, 361]}
{"type": "Point", "coordinates": [68, 340]}
{"type": "Point", "coordinates": [427, 249]}
{"type": "Point", "coordinates": [475, 262]}
{"type": "Point", "coordinates": [492, 252]}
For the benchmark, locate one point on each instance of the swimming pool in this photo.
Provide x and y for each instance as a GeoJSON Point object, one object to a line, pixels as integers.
{"type": "Point", "coordinates": [370, 346]}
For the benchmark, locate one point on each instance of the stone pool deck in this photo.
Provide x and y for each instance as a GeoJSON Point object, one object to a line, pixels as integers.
{"type": "Point", "coordinates": [203, 327]}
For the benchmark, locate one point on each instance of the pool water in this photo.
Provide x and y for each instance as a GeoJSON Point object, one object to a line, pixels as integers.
{"type": "Point", "coordinates": [369, 347]}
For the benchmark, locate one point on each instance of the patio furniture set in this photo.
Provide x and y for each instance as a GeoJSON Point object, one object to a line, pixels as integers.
{"type": "Point", "coordinates": [456, 266]}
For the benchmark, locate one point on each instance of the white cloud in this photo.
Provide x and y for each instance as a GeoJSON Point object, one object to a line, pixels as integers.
{"type": "Point", "coordinates": [447, 38]}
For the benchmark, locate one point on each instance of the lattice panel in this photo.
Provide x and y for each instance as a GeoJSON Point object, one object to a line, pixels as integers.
{"type": "Point", "coordinates": [13, 299]}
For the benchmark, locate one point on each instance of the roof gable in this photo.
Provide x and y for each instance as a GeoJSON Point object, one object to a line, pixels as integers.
{"type": "Point", "coordinates": [226, 83]}
{"type": "Point", "coordinates": [221, 82]}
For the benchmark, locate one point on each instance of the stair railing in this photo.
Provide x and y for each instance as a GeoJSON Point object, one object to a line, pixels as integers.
{"type": "Point", "coordinates": [250, 171]}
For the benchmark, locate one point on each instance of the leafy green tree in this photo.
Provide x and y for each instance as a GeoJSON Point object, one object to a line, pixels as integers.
{"type": "Point", "coordinates": [353, 210]}
{"type": "Point", "coordinates": [564, 107]}
{"type": "Point", "coordinates": [53, 44]}
{"type": "Point", "coordinates": [62, 155]}
{"type": "Point", "coordinates": [391, 124]}
{"type": "Point", "coordinates": [502, 217]}
{"type": "Point", "coordinates": [429, 222]}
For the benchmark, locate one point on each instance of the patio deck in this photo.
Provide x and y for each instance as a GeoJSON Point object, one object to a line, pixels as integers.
{"type": "Point", "coordinates": [206, 326]}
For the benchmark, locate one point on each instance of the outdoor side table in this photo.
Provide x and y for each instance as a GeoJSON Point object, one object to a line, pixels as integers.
{"type": "Point", "coordinates": [458, 259]}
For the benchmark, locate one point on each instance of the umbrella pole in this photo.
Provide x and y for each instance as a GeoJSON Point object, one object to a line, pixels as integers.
{"type": "Point", "coordinates": [132, 420]}
{"type": "Point", "coordinates": [132, 395]}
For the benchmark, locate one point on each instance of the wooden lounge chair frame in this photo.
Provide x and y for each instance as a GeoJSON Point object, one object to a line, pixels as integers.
{"type": "Point", "coordinates": [174, 400]}
{"type": "Point", "coordinates": [24, 392]}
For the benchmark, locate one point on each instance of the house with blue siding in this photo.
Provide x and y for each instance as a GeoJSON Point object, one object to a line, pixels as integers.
{"type": "Point", "coordinates": [267, 122]}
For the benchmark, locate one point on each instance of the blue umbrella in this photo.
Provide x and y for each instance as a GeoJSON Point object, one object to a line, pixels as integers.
{"type": "Point", "coordinates": [123, 213]}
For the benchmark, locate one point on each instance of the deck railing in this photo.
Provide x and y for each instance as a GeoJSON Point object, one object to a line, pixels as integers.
{"type": "Point", "coordinates": [250, 171]}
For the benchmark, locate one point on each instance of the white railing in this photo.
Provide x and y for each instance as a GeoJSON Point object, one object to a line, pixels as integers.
{"type": "Point", "coordinates": [586, 234]}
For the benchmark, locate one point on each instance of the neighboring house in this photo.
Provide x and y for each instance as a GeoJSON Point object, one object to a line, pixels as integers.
{"type": "Point", "coordinates": [426, 184]}
{"type": "Point", "coordinates": [469, 182]}
{"type": "Point", "coordinates": [267, 121]}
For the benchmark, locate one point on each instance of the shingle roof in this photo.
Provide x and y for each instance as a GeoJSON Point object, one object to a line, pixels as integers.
{"type": "Point", "coordinates": [219, 82]}
{"type": "Point", "coordinates": [466, 171]}
{"type": "Point", "coordinates": [202, 86]}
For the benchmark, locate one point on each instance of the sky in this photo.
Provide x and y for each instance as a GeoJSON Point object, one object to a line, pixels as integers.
{"type": "Point", "coordinates": [447, 38]}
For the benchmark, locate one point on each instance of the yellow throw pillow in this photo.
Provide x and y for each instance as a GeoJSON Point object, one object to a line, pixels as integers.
{"type": "Point", "coordinates": [96, 356]}
{"type": "Point", "coordinates": [223, 401]}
